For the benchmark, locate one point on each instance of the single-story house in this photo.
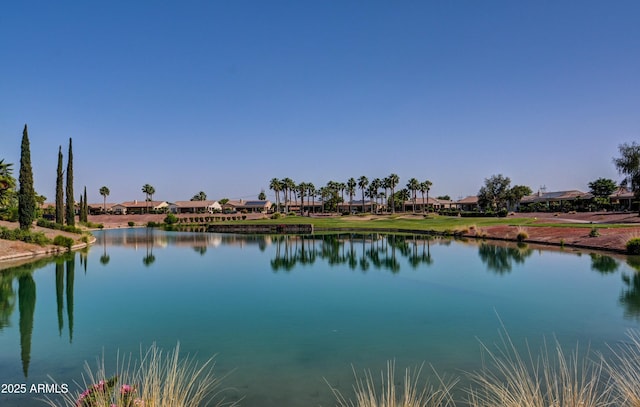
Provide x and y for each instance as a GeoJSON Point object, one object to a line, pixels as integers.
{"type": "Point", "coordinates": [195, 207]}
{"type": "Point", "coordinates": [248, 206]}
{"type": "Point", "coordinates": [469, 203]}
{"type": "Point", "coordinates": [433, 204]}
{"type": "Point", "coordinates": [557, 197]}
{"type": "Point", "coordinates": [622, 198]}
{"type": "Point", "coordinates": [140, 207]}
{"type": "Point", "coordinates": [356, 206]}
{"type": "Point", "coordinates": [99, 208]}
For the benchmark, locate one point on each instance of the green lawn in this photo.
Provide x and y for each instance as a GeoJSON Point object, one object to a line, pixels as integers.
{"type": "Point", "coordinates": [433, 223]}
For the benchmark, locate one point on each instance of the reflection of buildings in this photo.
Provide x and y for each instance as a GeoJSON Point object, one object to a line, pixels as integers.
{"type": "Point", "coordinates": [145, 237]}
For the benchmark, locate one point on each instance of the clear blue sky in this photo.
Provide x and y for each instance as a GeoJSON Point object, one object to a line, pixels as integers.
{"type": "Point", "coordinates": [222, 96]}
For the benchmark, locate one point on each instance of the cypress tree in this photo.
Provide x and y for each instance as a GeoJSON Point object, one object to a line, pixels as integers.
{"type": "Point", "coordinates": [70, 207]}
{"type": "Point", "coordinates": [85, 213]}
{"type": "Point", "coordinates": [59, 190]}
{"type": "Point", "coordinates": [26, 194]}
{"type": "Point", "coordinates": [81, 209]}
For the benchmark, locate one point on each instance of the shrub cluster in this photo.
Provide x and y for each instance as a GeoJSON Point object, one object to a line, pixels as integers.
{"type": "Point", "coordinates": [170, 219]}
{"type": "Point", "coordinates": [26, 236]}
{"type": "Point", "coordinates": [56, 226]}
{"type": "Point", "coordinates": [633, 245]}
{"type": "Point", "coordinates": [63, 241]}
{"type": "Point", "coordinates": [449, 212]}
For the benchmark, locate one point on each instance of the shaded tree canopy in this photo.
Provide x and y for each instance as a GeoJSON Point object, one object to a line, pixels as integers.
{"type": "Point", "coordinates": [602, 187]}
{"type": "Point", "coordinates": [495, 192]}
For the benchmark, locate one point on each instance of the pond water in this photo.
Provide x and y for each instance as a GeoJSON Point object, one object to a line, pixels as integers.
{"type": "Point", "coordinates": [283, 314]}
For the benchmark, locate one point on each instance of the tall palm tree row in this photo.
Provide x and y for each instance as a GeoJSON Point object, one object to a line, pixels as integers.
{"type": "Point", "coordinates": [333, 193]}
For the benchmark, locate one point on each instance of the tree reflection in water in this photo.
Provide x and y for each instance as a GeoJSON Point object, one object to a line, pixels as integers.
{"type": "Point", "coordinates": [71, 264]}
{"type": "Point", "coordinates": [630, 296]}
{"type": "Point", "coordinates": [27, 307]}
{"type": "Point", "coordinates": [149, 259]}
{"type": "Point", "coordinates": [59, 294]}
{"type": "Point", "coordinates": [355, 250]}
{"type": "Point", "coordinates": [603, 263]}
{"type": "Point", "coordinates": [500, 259]}
{"type": "Point", "coordinates": [7, 299]}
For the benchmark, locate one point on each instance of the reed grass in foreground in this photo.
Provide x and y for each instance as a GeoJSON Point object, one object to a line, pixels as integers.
{"type": "Point", "coordinates": [552, 379]}
{"type": "Point", "coordinates": [625, 371]}
{"type": "Point", "coordinates": [368, 393]}
{"type": "Point", "coordinates": [511, 378]}
{"type": "Point", "coordinates": [157, 380]}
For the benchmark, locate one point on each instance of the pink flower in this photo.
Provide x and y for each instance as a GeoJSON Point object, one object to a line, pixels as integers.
{"type": "Point", "coordinates": [125, 388]}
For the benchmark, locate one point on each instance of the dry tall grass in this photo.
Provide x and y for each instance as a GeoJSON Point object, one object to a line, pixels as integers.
{"type": "Point", "coordinates": [624, 370]}
{"type": "Point", "coordinates": [157, 380]}
{"type": "Point", "coordinates": [552, 379]}
{"type": "Point", "coordinates": [368, 393]}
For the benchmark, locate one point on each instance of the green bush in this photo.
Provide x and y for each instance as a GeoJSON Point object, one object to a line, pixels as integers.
{"type": "Point", "coordinates": [276, 215]}
{"type": "Point", "coordinates": [56, 226]}
{"type": "Point", "coordinates": [522, 236]}
{"type": "Point", "coordinates": [63, 241]}
{"type": "Point", "coordinates": [170, 219]}
{"type": "Point", "coordinates": [92, 225]}
{"type": "Point", "coordinates": [131, 223]}
{"type": "Point", "coordinates": [26, 236]}
{"type": "Point", "coordinates": [152, 224]}
{"type": "Point", "coordinates": [594, 232]}
{"type": "Point", "coordinates": [633, 245]}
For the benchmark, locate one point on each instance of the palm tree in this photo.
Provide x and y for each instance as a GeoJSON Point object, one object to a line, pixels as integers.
{"type": "Point", "coordinates": [362, 184]}
{"type": "Point", "coordinates": [392, 181]}
{"type": "Point", "coordinates": [341, 187]}
{"type": "Point", "coordinates": [288, 186]}
{"type": "Point", "coordinates": [375, 185]}
{"type": "Point", "coordinates": [311, 194]}
{"type": "Point", "coordinates": [323, 194]}
{"type": "Point", "coordinates": [104, 191]}
{"type": "Point", "coordinates": [351, 190]}
{"type": "Point", "coordinates": [425, 186]}
{"type": "Point", "coordinates": [301, 189]}
{"type": "Point", "coordinates": [7, 182]}
{"type": "Point", "coordinates": [332, 189]}
{"type": "Point", "coordinates": [148, 192]}
{"type": "Point", "coordinates": [372, 193]}
{"type": "Point", "coordinates": [276, 186]}
{"type": "Point", "coordinates": [413, 185]}
{"type": "Point", "coordinates": [404, 195]}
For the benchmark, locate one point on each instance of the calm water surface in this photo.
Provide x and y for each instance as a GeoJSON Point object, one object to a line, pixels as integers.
{"type": "Point", "coordinates": [283, 314]}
